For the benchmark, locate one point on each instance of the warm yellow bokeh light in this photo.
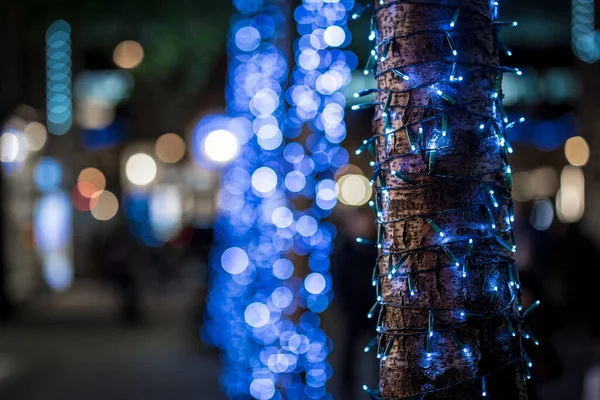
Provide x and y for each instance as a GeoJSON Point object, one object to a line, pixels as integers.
{"type": "Point", "coordinates": [106, 206]}
{"type": "Point", "coordinates": [91, 180]}
{"type": "Point", "coordinates": [35, 135]}
{"type": "Point", "coordinates": [577, 151]}
{"type": "Point", "coordinates": [170, 148]}
{"type": "Point", "coordinates": [570, 199]}
{"type": "Point", "coordinates": [128, 54]}
{"type": "Point", "coordinates": [355, 190]}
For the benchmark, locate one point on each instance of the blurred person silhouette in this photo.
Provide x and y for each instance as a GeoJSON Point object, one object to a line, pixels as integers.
{"type": "Point", "coordinates": [352, 267]}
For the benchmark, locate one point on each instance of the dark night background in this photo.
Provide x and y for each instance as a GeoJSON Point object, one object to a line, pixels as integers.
{"type": "Point", "coordinates": [127, 324]}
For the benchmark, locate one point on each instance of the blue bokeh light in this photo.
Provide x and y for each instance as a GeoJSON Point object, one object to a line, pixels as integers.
{"type": "Point", "coordinates": [48, 174]}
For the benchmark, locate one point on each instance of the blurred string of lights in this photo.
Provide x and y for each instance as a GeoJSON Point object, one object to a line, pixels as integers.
{"type": "Point", "coordinates": [316, 101]}
{"type": "Point", "coordinates": [585, 40]}
{"type": "Point", "coordinates": [428, 140]}
{"type": "Point", "coordinates": [59, 107]}
{"type": "Point", "coordinates": [265, 355]}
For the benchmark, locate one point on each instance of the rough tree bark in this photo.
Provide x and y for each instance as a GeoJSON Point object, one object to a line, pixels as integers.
{"type": "Point", "coordinates": [452, 339]}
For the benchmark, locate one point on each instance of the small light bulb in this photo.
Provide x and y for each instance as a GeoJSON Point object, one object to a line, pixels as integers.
{"type": "Point", "coordinates": [443, 133]}
{"type": "Point", "coordinates": [460, 78]}
{"type": "Point", "coordinates": [366, 349]}
{"type": "Point", "coordinates": [372, 35]}
{"type": "Point", "coordinates": [355, 107]}
{"type": "Point", "coordinates": [508, 53]}
{"type": "Point", "coordinates": [359, 240]}
{"type": "Point", "coordinates": [515, 23]}
{"type": "Point", "coordinates": [522, 119]}
{"type": "Point", "coordinates": [495, 288]}
{"type": "Point", "coordinates": [365, 387]}
{"type": "Point", "coordinates": [405, 77]}
{"type": "Point", "coordinates": [356, 95]}
{"type": "Point", "coordinates": [439, 92]}
{"type": "Point", "coordinates": [452, 24]}
{"type": "Point", "coordinates": [442, 234]}
{"type": "Point", "coordinates": [482, 126]}
{"type": "Point", "coordinates": [454, 53]}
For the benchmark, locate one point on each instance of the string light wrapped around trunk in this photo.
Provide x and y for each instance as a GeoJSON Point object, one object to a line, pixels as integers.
{"type": "Point", "coordinates": [447, 286]}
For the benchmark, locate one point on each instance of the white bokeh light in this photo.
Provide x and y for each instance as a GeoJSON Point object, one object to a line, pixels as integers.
{"type": "Point", "coordinates": [220, 146]}
{"type": "Point", "coordinates": [264, 180]}
{"type": "Point", "coordinates": [282, 217]}
{"type": "Point", "coordinates": [234, 260]}
{"type": "Point", "coordinates": [9, 147]}
{"type": "Point", "coordinates": [140, 169]}
{"type": "Point", "coordinates": [335, 36]}
{"type": "Point", "coordinates": [257, 315]}
{"type": "Point", "coordinates": [315, 283]}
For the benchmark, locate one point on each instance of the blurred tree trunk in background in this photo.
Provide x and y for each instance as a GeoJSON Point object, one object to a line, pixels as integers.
{"type": "Point", "coordinates": [441, 167]}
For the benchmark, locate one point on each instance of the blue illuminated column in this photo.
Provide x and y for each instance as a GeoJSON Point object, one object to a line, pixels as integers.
{"type": "Point", "coordinates": [317, 107]}
{"type": "Point", "coordinates": [253, 291]}
{"type": "Point", "coordinates": [58, 78]}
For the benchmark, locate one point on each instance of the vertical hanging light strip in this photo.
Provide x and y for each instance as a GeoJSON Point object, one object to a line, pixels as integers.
{"type": "Point", "coordinates": [58, 78]}
{"type": "Point", "coordinates": [323, 69]}
{"type": "Point", "coordinates": [252, 289]}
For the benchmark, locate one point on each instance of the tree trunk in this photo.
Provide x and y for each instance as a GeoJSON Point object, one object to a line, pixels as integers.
{"type": "Point", "coordinates": [444, 208]}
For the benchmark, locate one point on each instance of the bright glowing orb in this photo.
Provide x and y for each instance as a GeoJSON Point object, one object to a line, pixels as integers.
{"type": "Point", "coordinates": [315, 283]}
{"type": "Point", "coordinates": [220, 146]}
{"type": "Point", "coordinates": [264, 180]}
{"type": "Point", "coordinates": [140, 169]}
{"type": "Point", "coordinates": [335, 36]}
{"type": "Point", "coordinates": [9, 147]}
